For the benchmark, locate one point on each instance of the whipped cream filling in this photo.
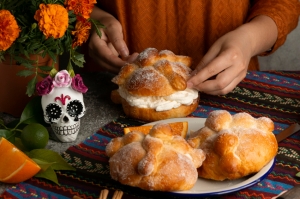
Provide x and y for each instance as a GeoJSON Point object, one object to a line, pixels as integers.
{"type": "Point", "coordinates": [163, 103]}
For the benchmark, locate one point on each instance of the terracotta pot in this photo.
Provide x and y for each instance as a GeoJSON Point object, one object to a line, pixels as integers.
{"type": "Point", "coordinates": [13, 98]}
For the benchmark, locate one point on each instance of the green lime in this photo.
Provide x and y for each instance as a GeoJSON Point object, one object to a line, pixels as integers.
{"type": "Point", "coordinates": [34, 136]}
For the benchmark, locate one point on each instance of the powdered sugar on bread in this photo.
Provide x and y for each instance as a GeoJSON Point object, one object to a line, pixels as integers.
{"type": "Point", "coordinates": [154, 87]}
{"type": "Point", "coordinates": [155, 73]}
{"type": "Point", "coordinates": [236, 145]}
{"type": "Point", "coordinates": [160, 161]}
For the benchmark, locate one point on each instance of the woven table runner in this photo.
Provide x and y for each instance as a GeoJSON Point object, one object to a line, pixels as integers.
{"type": "Point", "coordinates": [273, 94]}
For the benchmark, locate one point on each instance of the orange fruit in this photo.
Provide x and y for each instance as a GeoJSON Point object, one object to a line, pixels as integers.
{"type": "Point", "coordinates": [15, 166]}
{"type": "Point", "coordinates": [179, 128]}
{"type": "Point", "coordinates": [143, 129]}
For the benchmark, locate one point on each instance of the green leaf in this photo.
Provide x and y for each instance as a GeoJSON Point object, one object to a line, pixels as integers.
{"type": "Point", "coordinates": [78, 59]}
{"type": "Point", "coordinates": [28, 65]}
{"type": "Point", "coordinates": [22, 39]}
{"type": "Point", "coordinates": [53, 72]}
{"type": "Point", "coordinates": [11, 5]}
{"type": "Point", "coordinates": [43, 75]}
{"type": "Point", "coordinates": [18, 143]}
{"type": "Point", "coordinates": [298, 174]}
{"type": "Point", "coordinates": [33, 112]}
{"type": "Point", "coordinates": [34, 46]}
{"type": "Point", "coordinates": [43, 164]}
{"type": "Point", "coordinates": [49, 41]}
{"type": "Point", "coordinates": [45, 68]}
{"type": "Point", "coordinates": [1, 122]}
{"type": "Point", "coordinates": [72, 73]}
{"type": "Point", "coordinates": [49, 174]}
{"type": "Point", "coordinates": [31, 86]}
{"type": "Point", "coordinates": [79, 56]}
{"type": "Point", "coordinates": [25, 73]}
{"type": "Point", "coordinates": [52, 55]}
{"type": "Point", "coordinates": [96, 24]}
{"type": "Point", "coordinates": [69, 66]}
{"type": "Point", "coordinates": [72, 18]}
{"type": "Point", "coordinates": [26, 53]}
{"type": "Point", "coordinates": [22, 60]}
{"type": "Point", "coordinates": [52, 157]}
{"type": "Point", "coordinates": [21, 49]}
{"type": "Point", "coordinates": [78, 63]}
{"type": "Point", "coordinates": [7, 134]}
{"type": "Point", "coordinates": [2, 56]}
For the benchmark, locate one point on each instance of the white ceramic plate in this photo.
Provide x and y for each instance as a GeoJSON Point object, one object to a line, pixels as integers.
{"type": "Point", "coordinates": [205, 187]}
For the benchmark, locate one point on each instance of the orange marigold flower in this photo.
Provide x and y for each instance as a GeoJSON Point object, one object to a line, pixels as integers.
{"type": "Point", "coordinates": [81, 32]}
{"type": "Point", "coordinates": [9, 29]}
{"type": "Point", "coordinates": [82, 8]}
{"type": "Point", "coordinates": [53, 20]}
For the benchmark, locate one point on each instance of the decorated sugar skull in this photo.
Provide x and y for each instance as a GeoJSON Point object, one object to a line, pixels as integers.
{"type": "Point", "coordinates": [62, 103]}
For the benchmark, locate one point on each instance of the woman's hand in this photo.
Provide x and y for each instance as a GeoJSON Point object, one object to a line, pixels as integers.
{"type": "Point", "coordinates": [223, 66]}
{"type": "Point", "coordinates": [226, 62]}
{"type": "Point", "coordinates": [110, 51]}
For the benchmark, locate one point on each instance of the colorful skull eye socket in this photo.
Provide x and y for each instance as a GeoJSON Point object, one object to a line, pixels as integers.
{"type": "Point", "coordinates": [75, 109]}
{"type": "Point", "coordinates": [53, 113]}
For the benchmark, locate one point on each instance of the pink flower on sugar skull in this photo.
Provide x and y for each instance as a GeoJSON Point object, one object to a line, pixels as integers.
{"type": "Point", "coordinates": [62, 79]}
{"type": "Point", "coordinates": [78, 85]}
{"type": "Point", "coordinates": [45, 86]}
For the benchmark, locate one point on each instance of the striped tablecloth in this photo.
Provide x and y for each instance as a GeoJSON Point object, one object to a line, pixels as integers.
{"type": "Point", "coordinates": [274, 94]}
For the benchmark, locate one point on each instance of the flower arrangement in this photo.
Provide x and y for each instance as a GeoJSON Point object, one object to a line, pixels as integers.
{"type": "Point", "coordinates": [44, 27]}
{"type": "Point", "coordinates": [60, 79]}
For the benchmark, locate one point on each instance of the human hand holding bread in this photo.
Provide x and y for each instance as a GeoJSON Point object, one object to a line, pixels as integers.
{"type": "Point", "coordinates": [227, 59]}
{"type": "Point", "coordinates": [227, 147]}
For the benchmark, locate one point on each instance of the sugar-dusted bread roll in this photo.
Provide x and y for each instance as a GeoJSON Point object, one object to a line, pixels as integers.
{"type": "Point", "coordinates": [157, 161]}
{"type": "Point", "coordinates": [154, 86]}
{"type": "Point", "coordinates": [235, 145]}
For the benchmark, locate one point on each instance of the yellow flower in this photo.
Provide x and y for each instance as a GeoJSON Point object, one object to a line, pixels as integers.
{"type": "Point", "coordinates": [82, 31]}
{"type": "Point", "coordinates": [9, 29]}
{"type": "Point", "coordinates": [52, 19]}
{"type": "Point", "coordinates": [82, 8]}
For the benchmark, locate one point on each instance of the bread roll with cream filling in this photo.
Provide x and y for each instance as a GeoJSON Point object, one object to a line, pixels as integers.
{"type": "Point", "coordinates": [154, 86]}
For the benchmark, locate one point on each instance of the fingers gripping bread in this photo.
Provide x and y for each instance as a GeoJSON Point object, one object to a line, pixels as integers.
{"type": "Point", "coordinates": [235, 146]}
{"type": "Point", "coordinates": [157, 161]}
